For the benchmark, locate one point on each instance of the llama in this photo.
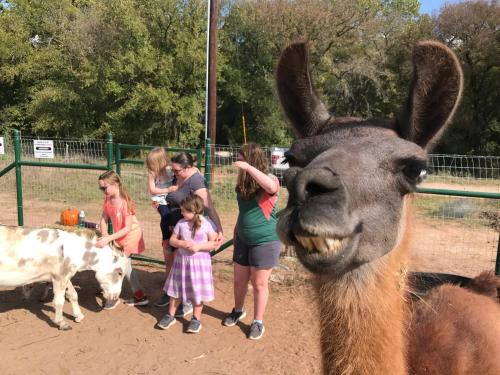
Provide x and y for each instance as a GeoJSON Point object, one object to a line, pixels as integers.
{"type": "Point", "coordinates": [32, 255]}
{"type": "Point", "coordinates": [351, 184]}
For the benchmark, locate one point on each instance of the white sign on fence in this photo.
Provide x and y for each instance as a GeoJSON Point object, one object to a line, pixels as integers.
{"type": "Point", "coordinates": [2, 147]}
{"type": "Point", "coordinates": [43, 149]}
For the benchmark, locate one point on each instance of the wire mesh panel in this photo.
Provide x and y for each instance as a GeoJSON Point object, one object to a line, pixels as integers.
{"type": "Point", "coordinates": [455, 235]}
{"type": "Point", "coordinates": [471, 172]}
{"type": "Point", "coordinates": [8, 183]}
{"type": "Point", "coordinates": [75, 151]}
{"type": "Point", "coordinates": [49, 190]}
{"type": "Point", "coordinates": [450, 234]}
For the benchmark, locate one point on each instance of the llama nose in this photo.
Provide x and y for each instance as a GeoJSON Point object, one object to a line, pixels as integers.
{"type": "Point", "coordinates": [309, 182]}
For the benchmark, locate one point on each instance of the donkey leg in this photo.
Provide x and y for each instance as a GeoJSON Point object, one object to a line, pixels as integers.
{"type": "Point", "coordinates": [73, 298]}
{"type": "Point", "coordinates": [59, 291]}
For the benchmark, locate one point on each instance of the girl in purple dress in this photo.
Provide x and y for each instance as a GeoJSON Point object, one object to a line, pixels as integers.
{"type": "Point", "coordinates": [190, 279]}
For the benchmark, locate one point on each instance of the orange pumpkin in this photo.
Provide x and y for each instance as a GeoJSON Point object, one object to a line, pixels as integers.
{"type": "Point", "coordinates": [69, 216]}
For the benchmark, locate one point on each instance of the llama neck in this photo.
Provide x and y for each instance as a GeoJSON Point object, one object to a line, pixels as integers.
{"type": "Point", "coordinates": [363, 317]}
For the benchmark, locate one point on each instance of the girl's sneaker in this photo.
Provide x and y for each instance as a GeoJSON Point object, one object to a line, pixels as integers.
{"type": "Point", "coordinates": [166, 322]}
{"type": "Point", "coordinates": [194, 326]}
{"type": "Point", "coordinates": [234, 318]}
{"type": "Point", "coordinates": [256, 331]}
{"type": "Point", "coordinates": [137, 301]}
{"type": "Point", "coordinates": [183, 309]}
{"type": "Point", "coordinates": [162, 301]}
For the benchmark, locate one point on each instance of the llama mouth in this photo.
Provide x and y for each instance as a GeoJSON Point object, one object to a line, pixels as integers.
{"type": "Point", "coordinates": [323, 245]}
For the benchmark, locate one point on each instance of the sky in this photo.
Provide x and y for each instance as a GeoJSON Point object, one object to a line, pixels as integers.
{"type": "Point", "coordinates": [429, 6]}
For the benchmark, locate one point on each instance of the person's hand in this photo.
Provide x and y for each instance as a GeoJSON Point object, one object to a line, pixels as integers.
{"type": "Point", "coordinates": [243, 165]}
{"type": "Point", "coordinates": [102, 241]}
{"type": "Point", "coordinates": [155, 205]}
{"type": "Point", "coordinates": [173, 188]}
{"type": "Point", "coordinates": [191, 246]}
{"type": "Point", "coordinates": [219, 240]}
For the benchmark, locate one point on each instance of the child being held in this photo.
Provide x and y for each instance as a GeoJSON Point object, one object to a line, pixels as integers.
{"type": "Point", "coordinates": [190, 279]}
{"type": "Point", "coordinates": [160, 184]}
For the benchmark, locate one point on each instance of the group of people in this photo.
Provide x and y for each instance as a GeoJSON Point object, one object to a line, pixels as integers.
{"type": "Point", "coordinates": [180, 195]}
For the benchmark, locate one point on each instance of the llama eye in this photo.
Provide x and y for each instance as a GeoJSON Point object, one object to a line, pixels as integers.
{"type": "Point", "coordinates": [415, 172]}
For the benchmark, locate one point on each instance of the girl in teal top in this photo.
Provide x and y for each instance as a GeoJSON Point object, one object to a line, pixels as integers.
{"type": "Point", "coordinates": [256, 244]}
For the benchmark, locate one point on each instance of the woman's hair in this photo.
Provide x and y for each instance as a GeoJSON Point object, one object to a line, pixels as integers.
{"type": "Point", "coordinates": [184, 159]}
{"type": "Point", "coordinates": [157, 161]}
{"type": "Point", "coordinates": [246, 186]}
{"type": "Point", "coordinates": [111, 177]}
{"type": "Point", "coordinates": [193, 203]}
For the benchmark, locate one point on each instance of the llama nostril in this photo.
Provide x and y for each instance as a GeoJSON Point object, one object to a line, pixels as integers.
{"type": "Point", "coordinates": [314, 188]}
{"type": "Point", "coordinates": [313, 182]}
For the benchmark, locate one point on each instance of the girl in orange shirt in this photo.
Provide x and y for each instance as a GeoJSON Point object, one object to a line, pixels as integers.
{"type": "Point", "coordinates": [119, 207]}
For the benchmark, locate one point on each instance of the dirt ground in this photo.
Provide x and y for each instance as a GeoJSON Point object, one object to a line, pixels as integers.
{"type": "Point", "coordinates": [126, 340]}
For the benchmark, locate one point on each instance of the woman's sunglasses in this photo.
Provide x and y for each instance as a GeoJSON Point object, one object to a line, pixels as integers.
{"type": "Point", "coordinates": [103, 188]}
{"type": "Point", "coordinates": [177, 171]}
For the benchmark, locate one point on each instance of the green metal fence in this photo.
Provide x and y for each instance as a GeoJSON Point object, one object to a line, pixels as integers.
{"type": "Point", "coordinates": [456, 210]}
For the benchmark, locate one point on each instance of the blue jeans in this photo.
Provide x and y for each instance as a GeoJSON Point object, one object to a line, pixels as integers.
{"type": "Point", "coordinates": [164, 210]}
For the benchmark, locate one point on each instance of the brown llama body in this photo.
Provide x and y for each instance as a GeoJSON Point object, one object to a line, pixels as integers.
{"type": "Point", "coordinates": [350, 185]}
{"type": "Point", "coordinates": [454, 331]}
{"type": "Point", "coordinates": [365, 312]}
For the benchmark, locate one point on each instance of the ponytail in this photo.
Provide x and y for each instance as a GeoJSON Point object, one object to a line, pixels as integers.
{"type": "Point", "coordinates": [196, 224]}
{"type": "Point", "coordinates": [193, 203]}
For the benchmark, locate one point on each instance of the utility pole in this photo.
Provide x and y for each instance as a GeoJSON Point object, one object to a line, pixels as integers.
{"type": "Point", "coordinates": [212, 71]}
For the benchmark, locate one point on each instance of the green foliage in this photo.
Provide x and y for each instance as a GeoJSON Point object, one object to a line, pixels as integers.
{"type": "Point", "coordinates": [136, 68]}
{"type": "Point", "coordinates": [83, 68]}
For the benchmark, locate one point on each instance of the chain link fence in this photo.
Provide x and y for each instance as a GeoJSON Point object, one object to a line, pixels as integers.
{"type": "Point", "coordinates": [450, 234]}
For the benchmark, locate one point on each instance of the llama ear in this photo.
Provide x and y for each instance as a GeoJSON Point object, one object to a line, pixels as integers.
{"type": "Point", "coordinates": [434, 94]}
{"type": "Point", "coordinates": [300, 102]}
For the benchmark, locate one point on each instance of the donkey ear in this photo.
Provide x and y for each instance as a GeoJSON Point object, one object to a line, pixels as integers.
{"type": "Point", "coordinates": [434, 94]}
{"type": "Point", "coordinates": [300, 102]}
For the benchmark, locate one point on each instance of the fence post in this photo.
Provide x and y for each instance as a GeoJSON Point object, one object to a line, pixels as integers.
{"type": "Point", "coordinates": [497, 265]}
{"type": "Point", "coordinates": [208, 162]}
{"type": "Point", "coordinates": [19, 180]}
{"type": "Point", "coordinates": [109, 156]}
{"type": "Point", "coordinates": [118, 157]}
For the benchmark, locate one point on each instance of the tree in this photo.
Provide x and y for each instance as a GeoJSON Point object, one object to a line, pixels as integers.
{"type": "Point", "coordinates": [350, 43]}
{"type": "Point", "coordinates": [471, 29]}
{"type": "Point", "coordinates": [83, 68]}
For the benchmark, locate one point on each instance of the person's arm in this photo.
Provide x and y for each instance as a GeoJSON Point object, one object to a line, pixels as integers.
{"type": "Point", "coordinates": [104, 224]}
{"type": "Point", "coordinates": [209, 245]}
{"type": "Point", "coordinates": [211, 212]}
{"type": "Point", "coordinates": [105, 239]}
{"type": "Point", "coordinates": [267, 183]}
{"type": "Point", "coordinates": [153, 190]}
{"type": "Point", "coordinates": [176, 242]}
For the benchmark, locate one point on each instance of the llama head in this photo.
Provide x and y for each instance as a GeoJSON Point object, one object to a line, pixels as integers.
{"type": "Point", "coordinates": [348, 178]}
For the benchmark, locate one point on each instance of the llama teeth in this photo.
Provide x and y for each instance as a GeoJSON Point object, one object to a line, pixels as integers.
{"type": "Point", "coordinates": [333, 244]}
{"type": "Point", "coordinates": [321, 244]}
{"type": "Point", "coordinates": [306, 242]}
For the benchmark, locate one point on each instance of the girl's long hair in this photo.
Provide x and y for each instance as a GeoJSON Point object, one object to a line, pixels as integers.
{"type": "Point", "coordinates": [157, 162]}
{"type": "Point", "coordinates": [193, 203]}
{"type": "Point", "coordinates": [111, 177]}
{"type": "Point", "coordinates": [246, 186]}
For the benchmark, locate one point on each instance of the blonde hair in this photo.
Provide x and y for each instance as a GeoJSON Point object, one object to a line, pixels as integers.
{"type": "Point", "coordinates": [111, 177]}
{"type": "Point", "coordinates": [193, 203]}
{"type": "Point", "coordinates": [246, 186]}
{"type": "Point", "coordinates": [157, 162]}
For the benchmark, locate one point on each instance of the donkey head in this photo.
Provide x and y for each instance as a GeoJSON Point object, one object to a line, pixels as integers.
{"type": "Point", "coordinates": [110, 267]}
{"type": "Point", "coordinates": [348, 178]}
